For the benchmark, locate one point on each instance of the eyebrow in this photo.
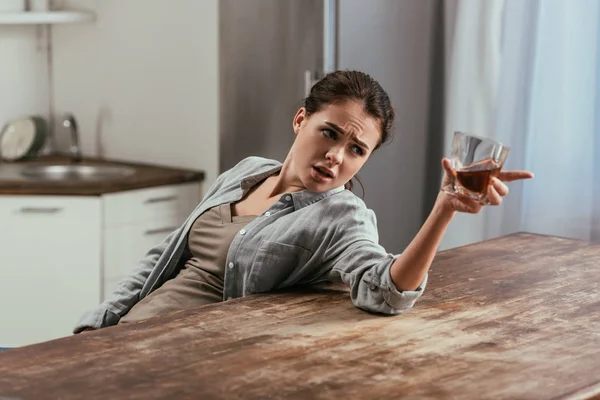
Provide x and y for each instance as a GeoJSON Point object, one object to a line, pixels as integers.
{"type": "Point", "coordinates": [340, 130]}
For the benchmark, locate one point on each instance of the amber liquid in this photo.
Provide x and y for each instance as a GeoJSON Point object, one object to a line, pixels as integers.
{"type": "Point", "coordinates": [477, 177]}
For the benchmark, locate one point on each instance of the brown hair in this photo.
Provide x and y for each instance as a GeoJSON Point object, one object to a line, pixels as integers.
{"type": "Point", "coordinates": [341, 86]}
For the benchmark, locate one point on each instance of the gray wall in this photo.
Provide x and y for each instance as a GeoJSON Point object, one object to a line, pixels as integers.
{"type": "Point", "coordinates": [392, 41]}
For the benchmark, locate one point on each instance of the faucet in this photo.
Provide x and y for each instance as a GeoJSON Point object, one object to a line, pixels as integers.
{"type": "Point", "coordinates": [75, 149]}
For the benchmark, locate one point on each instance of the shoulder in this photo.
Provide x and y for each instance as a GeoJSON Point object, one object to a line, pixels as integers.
{"type": "Point", "coordinates": [348, 211]}
{"type": "Point", "coordinates": [255, 164]}
{"type": "Point", "coordinates": [345, 199]}
{"type": "Point", "coordinates": [250, 166]}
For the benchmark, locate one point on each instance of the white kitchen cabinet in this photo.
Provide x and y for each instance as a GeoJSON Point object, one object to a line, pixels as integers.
{"type": "Point", "coordinates": [50, 265]}
{"type": "Point", "coordinates": [125, 245]}
{"type": "Point", "coordinates": [136, 221]}
{"type": "Point", "coordinates": [123, 208]}
{"type": "Point", "coordinates": [62, 255]}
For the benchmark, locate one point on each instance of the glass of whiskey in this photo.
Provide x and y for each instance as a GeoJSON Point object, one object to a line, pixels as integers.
{"type": "Point", "coordinates": [475, 161]}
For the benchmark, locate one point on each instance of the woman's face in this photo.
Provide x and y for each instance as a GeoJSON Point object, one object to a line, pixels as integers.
{"type": "Point", "coordinates": [332, 144]}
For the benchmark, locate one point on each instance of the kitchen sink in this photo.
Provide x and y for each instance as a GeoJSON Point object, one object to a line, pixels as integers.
{"type": "Point", "coordinates": [77, 172]}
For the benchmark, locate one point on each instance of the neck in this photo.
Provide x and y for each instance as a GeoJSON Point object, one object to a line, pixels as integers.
{"type": "Point", "coordinates": [287, 181]}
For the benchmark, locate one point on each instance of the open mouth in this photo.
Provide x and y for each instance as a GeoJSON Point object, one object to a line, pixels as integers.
{"type": "Point", "coordinates": [323, 173]}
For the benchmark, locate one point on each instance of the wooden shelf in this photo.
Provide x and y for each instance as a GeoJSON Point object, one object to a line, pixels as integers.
{"type": "Point", "coordinates": [44, 18]}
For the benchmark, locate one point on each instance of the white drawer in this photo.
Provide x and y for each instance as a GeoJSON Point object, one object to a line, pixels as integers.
{"type": "Point", "coordinates": [60, 208]}
{"type": "Point", "coordinates": [125, 246]}
{"type": "Point", "coordinates": [148, 204]}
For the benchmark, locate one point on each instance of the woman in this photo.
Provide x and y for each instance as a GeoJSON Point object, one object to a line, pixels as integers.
{"type": "Point", "coordinates": [264, 225]}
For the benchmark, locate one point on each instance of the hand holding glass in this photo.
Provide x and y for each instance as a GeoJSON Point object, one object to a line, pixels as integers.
{"type": "Point", "coordinates": [475, 162]}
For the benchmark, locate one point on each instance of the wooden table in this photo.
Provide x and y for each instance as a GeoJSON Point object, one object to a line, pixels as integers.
{"type": "Point", "coordinates": [511, 318]}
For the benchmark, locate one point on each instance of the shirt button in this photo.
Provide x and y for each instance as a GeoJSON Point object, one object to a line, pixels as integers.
{"type": "Point", "coordinates": [230, 265]}
{"type": "Point", "coordinates": [288, 198]}
{"type": "Point", "coordinates": [268, 213]}
{"type": "Point", "coordinates": [243, 232]}
{"type": "Point", "coordinates": [372, 286]}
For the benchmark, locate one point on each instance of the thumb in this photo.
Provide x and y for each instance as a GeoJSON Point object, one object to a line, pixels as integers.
{"type": "Point", "coordinates": [447, 165]}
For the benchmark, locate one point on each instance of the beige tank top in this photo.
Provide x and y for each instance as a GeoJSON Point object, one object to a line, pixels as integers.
{"type": "Point", "coordinates": [200, 281]}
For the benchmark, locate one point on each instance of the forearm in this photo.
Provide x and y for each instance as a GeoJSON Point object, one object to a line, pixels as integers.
{"type": "Point", "coordinates": [409, 270]}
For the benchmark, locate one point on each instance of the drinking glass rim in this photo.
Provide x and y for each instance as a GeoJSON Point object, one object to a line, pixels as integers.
{"type": "Point", "coordinates": [482, 138]}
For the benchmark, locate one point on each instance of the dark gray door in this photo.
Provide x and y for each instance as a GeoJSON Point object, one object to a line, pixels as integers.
{"type": "Point", "coordinates": [265, 48]}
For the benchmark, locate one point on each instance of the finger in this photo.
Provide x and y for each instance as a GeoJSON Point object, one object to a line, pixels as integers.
{"type": "Point", "coordinates": [447, 164]}
{"type": "Point", "coordinates": [500, 187]}
{"type": "Point", "coordinates": [494, 197]}
{"type": "Point", "coordinates": [509, 176]}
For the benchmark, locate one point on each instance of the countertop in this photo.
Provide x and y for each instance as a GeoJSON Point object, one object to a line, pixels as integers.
{"type": "Point", "coordinates": [12, 182]}
{"type": "Point", "coordinates": [514, 317]}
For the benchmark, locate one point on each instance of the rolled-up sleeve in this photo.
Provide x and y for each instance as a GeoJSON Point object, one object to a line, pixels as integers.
{"type": "Point", "coordinates": [356, 258]}
{"type": "Point", "coordinates": [398, 300]}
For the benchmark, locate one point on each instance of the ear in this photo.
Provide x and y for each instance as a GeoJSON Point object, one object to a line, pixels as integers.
{"type": "Point", "coordinates": [299, 120]}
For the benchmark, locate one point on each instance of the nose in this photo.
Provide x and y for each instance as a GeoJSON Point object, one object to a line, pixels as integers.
{"type": "Point", "coordinates": [335, 155]}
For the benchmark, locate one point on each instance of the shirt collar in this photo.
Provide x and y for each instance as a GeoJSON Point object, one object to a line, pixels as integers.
{"type": "Point", "coordinates": [300, 199]}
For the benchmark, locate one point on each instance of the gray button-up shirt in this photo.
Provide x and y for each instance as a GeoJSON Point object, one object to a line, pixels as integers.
{"type": "Point", "coordinates": [303, 238]}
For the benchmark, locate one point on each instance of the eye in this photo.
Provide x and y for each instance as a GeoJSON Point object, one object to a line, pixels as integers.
{"type": "Point", "coordinates": [357, 150]}
{"type": "Point", "coordinates": [328, 133]}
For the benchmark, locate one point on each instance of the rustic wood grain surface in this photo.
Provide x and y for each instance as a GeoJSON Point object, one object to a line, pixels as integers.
{"type": "Point", "coordinates": [145, 176]}
{"type": "Point", "coordinates": [511, 318]}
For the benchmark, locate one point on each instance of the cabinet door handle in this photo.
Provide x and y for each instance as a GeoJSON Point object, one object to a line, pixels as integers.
{"type": "Point", "coordinates": [168, 229]}
{"type": "Point", "coordinates": [40, 210]}
{"type": "Point", "coordinates": [160, 199]}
